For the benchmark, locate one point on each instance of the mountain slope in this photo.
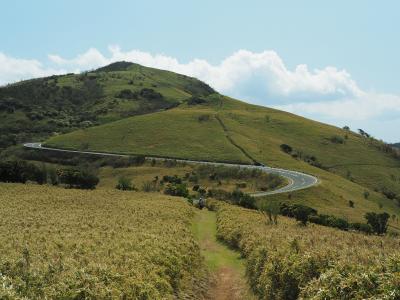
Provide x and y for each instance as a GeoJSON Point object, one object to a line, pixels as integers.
{"type": "Point", "coordinates": [38, 108]}
{"type": "Point", "coordinates": [141, 110]}
{"type": "Point", "coordinates": [350, 166]}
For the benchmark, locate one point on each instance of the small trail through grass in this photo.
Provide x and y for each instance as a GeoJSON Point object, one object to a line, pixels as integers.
{"type": "Point", "coordinates": [225, 264]}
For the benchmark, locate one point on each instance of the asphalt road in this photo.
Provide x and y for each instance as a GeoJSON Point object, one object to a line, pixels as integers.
{"type": "Point", "coordinates": [297, 180]}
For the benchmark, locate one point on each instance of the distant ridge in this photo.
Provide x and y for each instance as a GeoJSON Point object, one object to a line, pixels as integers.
{"type": "Point", "coordinates": [396, 145]}
{"type": "Point", "coordinates": [117, 66]}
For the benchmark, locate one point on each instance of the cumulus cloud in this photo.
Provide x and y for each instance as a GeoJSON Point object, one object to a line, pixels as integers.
{"type": "Point", "coordinates": [368, 105]}
{"type": "Point", "coordinates": [237, 73]}
{"type": "Point", "coordinates": [261, 78]}
{"type": "Point", "coordinates": [14, 69]}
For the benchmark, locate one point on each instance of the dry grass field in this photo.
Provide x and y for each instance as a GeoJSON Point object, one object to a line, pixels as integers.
{"type": "Point", "coordinates": [289, 261]}
{"type": "Point", "coordinates": [71, 244]}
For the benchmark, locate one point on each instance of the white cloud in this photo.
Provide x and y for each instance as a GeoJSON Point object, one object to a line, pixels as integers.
{"type": "Point", "coordinates": [368, 105]}
{"type": "Point", "coordinates": [236, 72]}
{"type": "Point", "coordinates": [262, 78]}
{"type": "Point", "coordinates": [15, 69]}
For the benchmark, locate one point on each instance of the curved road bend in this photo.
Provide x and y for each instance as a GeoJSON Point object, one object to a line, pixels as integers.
{"type": "Point", "coordinates": [297, 180]}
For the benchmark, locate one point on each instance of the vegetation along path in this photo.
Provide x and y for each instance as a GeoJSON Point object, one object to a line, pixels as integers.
{"type": "Point", "coordinates": [226, 266]}
{"type": "Point", "coordinates": [296, 180]}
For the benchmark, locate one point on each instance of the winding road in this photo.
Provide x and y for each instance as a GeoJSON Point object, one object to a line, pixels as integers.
{"type": "Point", "coordinates": [297, 180]}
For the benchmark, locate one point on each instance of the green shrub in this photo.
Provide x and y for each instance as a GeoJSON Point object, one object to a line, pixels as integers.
{"type": "Point", "coordinates": [172, 179]}
{"type": "Point", "coordinates": [125, 184]}
{"type": "Point", "coordinates": [300, 212]}
{"type": "Point", "coordinates": [150, 94]}
{"type": "Point", "coordinates": [242, 199]}
{"type": "Point", "coordinates": [127, 94]}
{"type": "Point", "coordinates": [76, 178]}
{"type": "Point", "coordinates": [286, 148]}
{"type": "Point", "coordinates": [175, 189]}
{"type": "Point", "coordinates": [196, 100]}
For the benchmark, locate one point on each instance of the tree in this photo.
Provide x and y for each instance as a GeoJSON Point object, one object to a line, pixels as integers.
{"type": "Point", "coordinates": [378, 222]}
{"type": "Point", "coordinates": [363, 133]}
{"type": "Point", "coordinates": [19, 171]}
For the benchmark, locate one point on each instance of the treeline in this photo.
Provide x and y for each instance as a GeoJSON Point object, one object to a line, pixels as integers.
{"type": "Point", "coordinates": [79, 159]}
{"type": "Point", "coordinates": [19, 171]}
{"type": "Point", "coordinates": [376, 222]}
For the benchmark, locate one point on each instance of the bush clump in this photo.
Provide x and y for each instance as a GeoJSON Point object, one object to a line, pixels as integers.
{"type": "Point", "coordinates": [127, 94]}
{"type": "Point", "coordinates": [176, 189]}
{"type": "Point", "coordinates": [77, 178]}
{"type": "Point", "coordinates": [286, 148]}
{"type": "Point", "coordinates": [125, 184]}
{"type": "Point", "coordinates": [336, 139]}
{"type": "Point", "coordinates": [196, 100]}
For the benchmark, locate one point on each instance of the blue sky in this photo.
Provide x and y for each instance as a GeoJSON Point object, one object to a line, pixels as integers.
{"type": "Point", "coordinates": [354, 44]}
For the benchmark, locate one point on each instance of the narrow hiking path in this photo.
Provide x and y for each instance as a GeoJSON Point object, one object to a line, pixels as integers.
{"type": "Point", "coordinates": [229, 138]}
{"type": "Point", "coordinates": [225, 265]}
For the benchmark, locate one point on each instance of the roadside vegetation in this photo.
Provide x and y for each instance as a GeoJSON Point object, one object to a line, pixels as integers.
{"type": "Point", "coordinates": [287, 260]}
{"type": "Point", "coordinates": [74, 244]}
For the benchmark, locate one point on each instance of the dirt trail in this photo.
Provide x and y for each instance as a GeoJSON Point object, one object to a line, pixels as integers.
{"type": "Point", "coordinates": [225, 264]}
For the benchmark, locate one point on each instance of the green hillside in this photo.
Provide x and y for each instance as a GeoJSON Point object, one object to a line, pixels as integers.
{"type": "Point", "coordinates": [38, 108]}
{"type": "Point", "coordinates": [349, 165]}
{"type": "Point", "coordinates": [128, 108]}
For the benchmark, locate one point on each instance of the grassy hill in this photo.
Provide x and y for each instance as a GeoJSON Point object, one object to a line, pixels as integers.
{"type": "Point", "coordinates": [350, 166]}
{"type": "Point", "coordinates": [38, 108]}
{"type": "Point", "coordinates": [128, 108]}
